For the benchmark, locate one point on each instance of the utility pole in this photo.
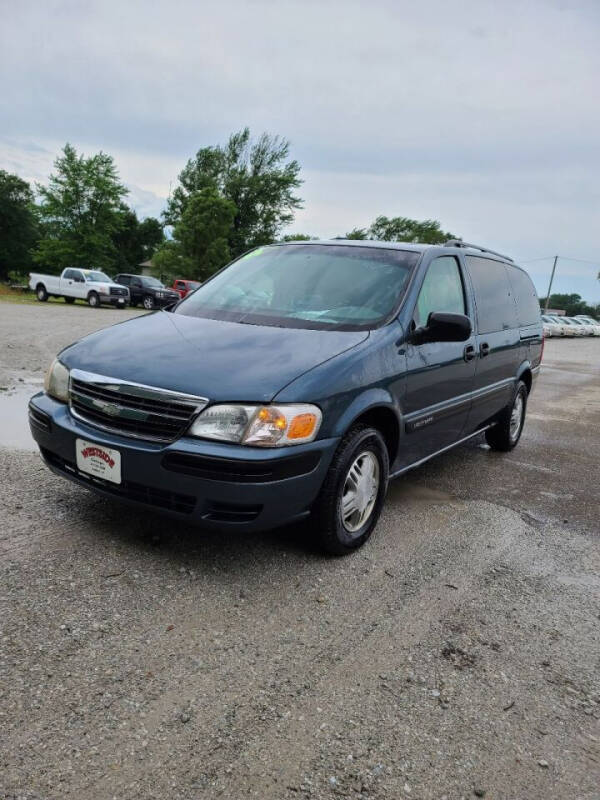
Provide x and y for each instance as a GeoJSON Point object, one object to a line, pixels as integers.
{"type": "Point", "coordinates": [550, 286]}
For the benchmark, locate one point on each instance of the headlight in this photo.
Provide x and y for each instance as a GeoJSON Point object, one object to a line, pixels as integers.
{"type": "Point", "coordinates": [261, 426]}
{"type": "Point", "coordinates": [56, 382]}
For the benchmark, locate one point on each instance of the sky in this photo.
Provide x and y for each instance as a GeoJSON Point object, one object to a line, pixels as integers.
{"type": "Point", "coordinates": [484, 115]}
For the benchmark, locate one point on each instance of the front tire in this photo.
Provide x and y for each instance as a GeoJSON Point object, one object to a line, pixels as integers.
{"type": "Point", "coordinates": [352, 495]}
{"type": "Point", "coordinates": [506, 434]}
{"type": "Point", "coordinates": [148, 303]}
{"type": "Point", "coordinates": [41, 293]}
{"type": "Point", "coordinates": [93, 299]}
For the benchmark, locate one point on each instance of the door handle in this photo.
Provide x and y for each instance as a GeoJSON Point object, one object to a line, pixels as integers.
{"type": "Point", "coordinates": [469, 353]}
{"type": "Point", "coordinates": [484, 350]}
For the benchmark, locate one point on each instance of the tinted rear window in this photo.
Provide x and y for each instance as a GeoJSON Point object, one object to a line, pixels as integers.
{"type": "Point", "coordinates": [493, 295]}
{"type": "Point", "coordinates": [528, 305]}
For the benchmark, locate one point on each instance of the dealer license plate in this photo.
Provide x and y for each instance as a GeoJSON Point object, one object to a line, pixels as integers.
{"type": "Point", "coordinates": [97, 460]}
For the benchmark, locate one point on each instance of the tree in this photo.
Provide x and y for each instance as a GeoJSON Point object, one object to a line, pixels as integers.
{"type": "Point", "coordinates": [255, 175]}
{"type": "Point", "coordinates": [136, 241]}
{"type": "Point", "coordinates": [82, 211]}
{"type": "Point", "coordinates": [403, 229]}
{"type": "Point", "coordinates": [18, 224]}
{"type": "Point", "coordinates": [571, 304]}
{"type": "Point", "coordinates": [298, 237]}
{"type": "Point", "coordinates": [357, 233]}
{"type": "Point", "coordinates": [169, 263]}
{"type": "Point", "coordinates": [200, 243]}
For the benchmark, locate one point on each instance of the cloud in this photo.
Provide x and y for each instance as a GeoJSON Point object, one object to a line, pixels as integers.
{"type": "Point", "coordinates": [478, 113]}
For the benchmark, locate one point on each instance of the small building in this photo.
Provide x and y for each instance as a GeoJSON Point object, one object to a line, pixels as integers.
{"type": "Point", "coordinates": [146, 267]}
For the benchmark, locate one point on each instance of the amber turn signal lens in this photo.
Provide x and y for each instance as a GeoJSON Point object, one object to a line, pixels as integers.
{"type": "Point", "coordinates": [302, 426]}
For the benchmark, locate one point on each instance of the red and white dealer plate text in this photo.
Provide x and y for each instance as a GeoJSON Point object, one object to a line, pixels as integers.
{"type": "Point", "coordinates": [99, 461]}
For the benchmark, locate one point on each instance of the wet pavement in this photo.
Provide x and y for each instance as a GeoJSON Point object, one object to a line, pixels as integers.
{"type": "Point", "coordinates": [456, 655]}
{"type": "Point", "coordinates": [14, 428]}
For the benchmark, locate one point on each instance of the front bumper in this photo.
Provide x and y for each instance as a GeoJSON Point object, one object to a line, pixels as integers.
{"type": "Point", "coordinates": [114, 300]}
{"type": "Point", "coordinates": [209, 483]}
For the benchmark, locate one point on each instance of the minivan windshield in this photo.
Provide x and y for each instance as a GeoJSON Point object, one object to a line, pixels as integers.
{"type": "Point", "coordinates": [340, 287]}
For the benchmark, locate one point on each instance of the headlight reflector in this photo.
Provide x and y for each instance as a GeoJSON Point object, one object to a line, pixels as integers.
{"type": "Point", "coordinates": [56, 381]}
{"type": "Point", "coordinates": [261, 426]}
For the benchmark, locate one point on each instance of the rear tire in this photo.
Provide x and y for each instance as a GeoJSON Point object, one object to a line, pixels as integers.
{"type": "Point", "coordinates": [506, 434]}
{"type": "Point", "coordinates": [93, 299]}
{"type": "Point", "coordinates": [41, 293]}
{"type": "Point", "coordinates": [353, 492]}
{"type": "Point", "coordinates": [69, 299]}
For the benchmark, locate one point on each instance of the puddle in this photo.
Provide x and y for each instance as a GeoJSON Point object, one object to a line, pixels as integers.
{"type": "Point", "coordinates": [14, 424]}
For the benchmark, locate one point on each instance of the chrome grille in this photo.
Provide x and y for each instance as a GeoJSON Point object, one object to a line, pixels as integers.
{"type": "Point", "coordinates": [131, 409]}
{"type": "Point", "coordinates": [120, 292]}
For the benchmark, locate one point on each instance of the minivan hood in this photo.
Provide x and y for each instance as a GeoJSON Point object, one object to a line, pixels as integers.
{"type": "Point", "coordinates": [223, 361]}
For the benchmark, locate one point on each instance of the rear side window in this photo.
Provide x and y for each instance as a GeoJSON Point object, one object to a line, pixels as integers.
{"type": "Point", "coordinates": [528, 305]}
{"type": "Point", "coordinates": [493, 295]}
{"type": "Point", "coordinates": [69, 273]}
{"type": "Point", "coordinates": [442, 290]}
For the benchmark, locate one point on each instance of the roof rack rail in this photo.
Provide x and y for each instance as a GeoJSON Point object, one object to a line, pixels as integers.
{"type": "Point", "coordinates": [460, 243]}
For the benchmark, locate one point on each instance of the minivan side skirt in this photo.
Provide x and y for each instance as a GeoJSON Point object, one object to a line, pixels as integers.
{"type": "Point", "coordinates": [438, 452]}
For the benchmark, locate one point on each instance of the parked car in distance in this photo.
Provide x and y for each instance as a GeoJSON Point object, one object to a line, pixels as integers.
{"type": "Point", "coordinates": [83, 284]}
{"type": "Point", "coordinates": [147, 291]}
{"type": "Point", "coordinates": [578, 330]}
{"type": "Point", "coordinates": [588, 330]}
{"type": "Point", "coordinates": [297, 382]}
{"type": "Point", "coordinates": [595, 324]}
{"type": "Point", "coordinates": [550, 327]}
{"type": "Point", "coordinates": [565, 329]}
{"type": "Point", "coordinates": [183, 287]}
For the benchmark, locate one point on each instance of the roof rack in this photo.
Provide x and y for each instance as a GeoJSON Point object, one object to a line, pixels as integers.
{"type": "Point", "coordinates": [460, 243]}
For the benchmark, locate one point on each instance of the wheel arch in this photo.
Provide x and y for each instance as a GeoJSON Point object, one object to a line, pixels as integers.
{"type": "Point", "coordinates": [525, 374]}
{"type": "Point", "coordinates": [377, 409]}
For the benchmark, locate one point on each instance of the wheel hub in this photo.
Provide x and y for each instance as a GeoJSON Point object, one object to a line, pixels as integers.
{"type": "Point", "coordinates": [360, 491]}
{"type": "Point", "coordinates": [516, 416]}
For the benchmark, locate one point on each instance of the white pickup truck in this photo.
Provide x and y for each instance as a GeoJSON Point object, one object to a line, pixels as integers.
{"type": "Point", "coordinates": [84, 284]}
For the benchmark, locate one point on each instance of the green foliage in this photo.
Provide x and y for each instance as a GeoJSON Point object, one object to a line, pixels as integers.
{"type": "Point", "coordinates": [357, 233]}
{"type": "Point", "coordinates": [200, 243]}
{"type": "Point", "coordinates": [403, 229]}
{"type": "Point", "coordinates": [18, 224]}
{"type": "Point", "coordinates": [81, 211]}
{"type": "Point", "coordinates": [169, 263]}
{"type": "Point", "coordinates": [255, 175]}
{"type": "Point", "coordinates": [135, 241]}
{"type": "Point", "coordinates": [571, 304]}
{"type": "Point", "coordinates": [298, 237]}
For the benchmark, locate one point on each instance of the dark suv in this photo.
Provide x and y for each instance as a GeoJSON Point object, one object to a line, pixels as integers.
{"type": "Point", "coordinates": [146, 291]}
{"type": "Point", "coordinates": [297, 382]}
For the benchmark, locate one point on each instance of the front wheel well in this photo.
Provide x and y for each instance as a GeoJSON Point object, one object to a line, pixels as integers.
{"type": "Point", "coordinates": [527, 379]}
{"type": "Point", "coordinates": [386, 422]}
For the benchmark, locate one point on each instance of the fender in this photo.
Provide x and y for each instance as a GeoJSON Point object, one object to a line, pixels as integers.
{"type": "Point", "coordinates": [524, 367]}
{"type": "Point", "coordinates": [367, 401]}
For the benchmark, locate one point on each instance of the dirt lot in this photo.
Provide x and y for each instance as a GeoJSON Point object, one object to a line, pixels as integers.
{"type": "Point", "coordinates": [456, 656]}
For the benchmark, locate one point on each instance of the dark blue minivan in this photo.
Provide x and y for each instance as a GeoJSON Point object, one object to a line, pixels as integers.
{"type": "Point", "coordinates": [297, 381]}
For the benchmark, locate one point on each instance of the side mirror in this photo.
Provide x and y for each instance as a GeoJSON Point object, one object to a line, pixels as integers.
{"type": "Point", "coordinates": [443, 327]}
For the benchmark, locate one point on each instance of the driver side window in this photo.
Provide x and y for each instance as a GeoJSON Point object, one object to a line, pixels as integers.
{"type": "Point", "coordinates": [442, 290]}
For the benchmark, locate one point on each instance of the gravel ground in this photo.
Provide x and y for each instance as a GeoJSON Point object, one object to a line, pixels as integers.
{"type": "Point", "coordinates": [456, 656]}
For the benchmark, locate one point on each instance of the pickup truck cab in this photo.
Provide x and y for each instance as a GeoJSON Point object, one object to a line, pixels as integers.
{"type": "Point", "coordinates": [83, 284]}
{"type": "Point", "coordinates": [183, 287]}
{"type": "Point", "coordinates": [297, 382]}
{"type": "Point", "coordinates": [147, 291]}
